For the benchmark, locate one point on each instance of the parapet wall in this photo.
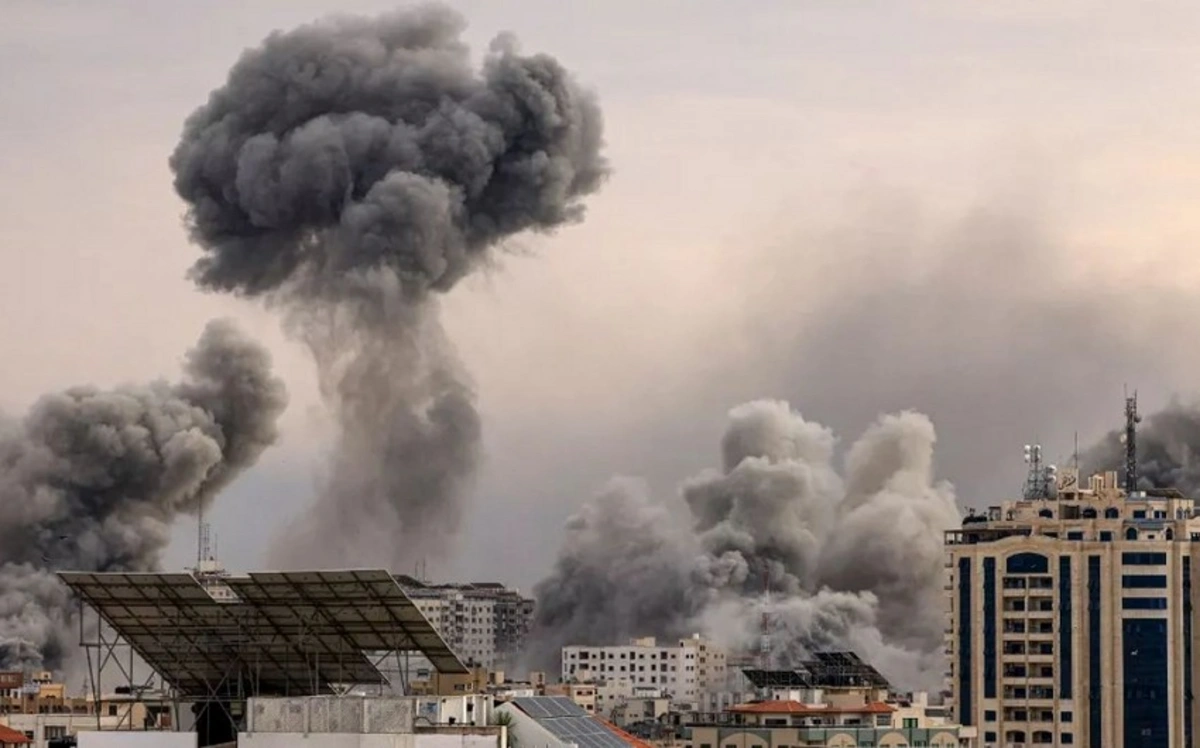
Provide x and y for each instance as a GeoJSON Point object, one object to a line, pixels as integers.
{"type": "Point", "coordinates": [330, 714]}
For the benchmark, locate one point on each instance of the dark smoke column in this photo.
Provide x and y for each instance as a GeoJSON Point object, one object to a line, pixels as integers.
{"type": "Point", "coordinates": [348, 171]}
{"type": "Point", "coordinates": [91, 480]}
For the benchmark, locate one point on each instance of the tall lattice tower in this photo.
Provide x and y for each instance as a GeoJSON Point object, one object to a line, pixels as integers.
{"type": "Point", "coordinates": [1132, 419]}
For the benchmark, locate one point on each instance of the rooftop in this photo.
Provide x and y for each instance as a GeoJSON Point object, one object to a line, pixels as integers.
{"type": "Point", "coordinates": [796, 707]}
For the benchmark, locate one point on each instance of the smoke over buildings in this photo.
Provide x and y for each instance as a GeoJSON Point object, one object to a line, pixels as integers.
{"type": "Point", "coordinates": [834, 559]}
{"type": "Point", "coordinates": [92, 480]}
{"type": "Point", "coordinates": [1167, 443]}
{"type": "Point", "coordinates": [347, 172]}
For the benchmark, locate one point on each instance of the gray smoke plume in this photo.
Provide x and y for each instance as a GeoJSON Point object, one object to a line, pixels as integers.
{"type": "Point", "coordinates": [1168, 442]}
{"type": "Point", "coordinates": [347, 171]}
{"type": "Point", "coordinates": [771, 532]}
{"type": "Point", "coordinates": [92, 480]}
{"type": "Point", "coordinates": [888, 538]}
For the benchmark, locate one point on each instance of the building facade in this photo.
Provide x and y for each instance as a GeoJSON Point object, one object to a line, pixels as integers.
{"type": "Point", "coordinates": [484, 623]}
{"type": "Point", "coordinates": [684, 671]}
{"type": "Point", "coordinates": [848, 722]}
{"type": "Point", "coordinates": [1071, 617]}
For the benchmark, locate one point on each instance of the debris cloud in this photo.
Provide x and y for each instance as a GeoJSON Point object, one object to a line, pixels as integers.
{"type": "Point", "coordinates": [832, 561]}
{"type": "Point", "coordinates": [92, 480]}
{"type": "Point", "coordinates": [349, 171]}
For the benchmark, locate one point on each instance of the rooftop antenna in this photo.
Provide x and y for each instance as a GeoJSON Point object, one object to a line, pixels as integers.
{"type": "Point", "coordinates": [1132, 419]}
{"type": "Point", "coordinates": [1040, 478]}
{"type": "Point", "coordinates": [202, 539]}
{"type": "Point", "coordinates": [764, 623]}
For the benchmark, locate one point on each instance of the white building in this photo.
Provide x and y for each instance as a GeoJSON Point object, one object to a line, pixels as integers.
{"type": "Point", "coordinates": [684, 671]}
{"type": "Point", "coordinates": [484, 623]}
{"type": "Point", "coordinates": [354, 722]}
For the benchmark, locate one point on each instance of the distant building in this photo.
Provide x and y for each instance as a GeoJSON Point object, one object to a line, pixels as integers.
{"type": "Point", "coordinates": [40, 711]}
{"type": "Point", "coordinates": [842, 723]}
{"type": "Point", "coordinates": [485, 623]}
{"type": "Point", "coordinates": [1072, 616]}
{"type": "Point", "coordinates": [683, 671]}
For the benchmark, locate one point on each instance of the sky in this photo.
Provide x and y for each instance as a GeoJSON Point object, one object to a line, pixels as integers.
{"type": "Point", "coordinates": [982, 213]}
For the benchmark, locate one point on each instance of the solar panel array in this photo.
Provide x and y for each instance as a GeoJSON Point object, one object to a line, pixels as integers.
{"type": "Point", "coordinates": [367, 610]}
{"type": "Point", "coordinates": [568, 722]}
{"type": "Point", "coordinates": [286, 634]}
{"type": "Point", "coordinates": [825, 669]}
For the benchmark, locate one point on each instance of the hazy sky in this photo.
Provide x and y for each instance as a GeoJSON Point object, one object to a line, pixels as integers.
{"type": "Point", "coordinates": [984, 214]}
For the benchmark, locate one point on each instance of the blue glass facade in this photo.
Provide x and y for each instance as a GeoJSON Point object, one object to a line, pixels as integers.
{"type": "Point", "coordinates": [1144, 581]}
{"type": "Point", "coordinates": [964, 641]}
{"type": "Point", "coordinates": [1143, 559]}
{"type": "Point", "coordinates": [1027, 563]}
{"type": "Point", "coordinates": [1187, 650]}
{"type": "Point", "coordinates": [1143, 603]}
{"type": "Point", "coordinates": [1065, 665]}
{"type": "Point", "coordinates": [1144, 659]}
{"type": "Point", "coordinates": [989, 628]}
{"type": "Point", "coordinates": [1095, 683]}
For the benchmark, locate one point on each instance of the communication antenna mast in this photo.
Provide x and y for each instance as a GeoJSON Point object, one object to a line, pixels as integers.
{"type": "Point", "coordinates": [1132, 419]}
{"type": "Point", "coordinates": [1039, 481]}
{"type": "Point", "coordinates": [764, 625]}
{"type": "Point", "coordinates": [202, 539]}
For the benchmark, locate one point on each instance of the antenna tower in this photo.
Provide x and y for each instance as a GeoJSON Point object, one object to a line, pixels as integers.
{"type": "Point", "coordinates": [764, 625]}
{"type": "Point", "coordinates": [1039, 481]}
{"type": "Point", "coordinates": [1132, 419]}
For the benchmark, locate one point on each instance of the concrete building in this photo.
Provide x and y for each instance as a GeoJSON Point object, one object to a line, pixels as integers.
{"type": "Point", "coordinates": [582, 694]}
{"type": "Point", "coordinates": [683, 671]}
{"type": "Point", "coordinates": [846, 722]}
{"type": "Point", "coordinates": [1071, 616]}
{"type": "Point", "coordinates": [372, 722]}
{"type": "Point", "coordinates": [485, 623]}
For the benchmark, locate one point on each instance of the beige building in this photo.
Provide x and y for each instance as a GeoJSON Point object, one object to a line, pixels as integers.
{"type": "Point", "coordinates": [684, 671]}
{"type": "Point", "coordinates": [846, 721]}
{"type": "Point", "coordinates": [583, 694]}
{"type": "Point", "coordinates": [1071, 616]}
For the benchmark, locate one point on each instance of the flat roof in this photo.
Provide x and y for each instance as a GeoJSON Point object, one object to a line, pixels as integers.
{"type": "Point", "coordinates": [287, 633]}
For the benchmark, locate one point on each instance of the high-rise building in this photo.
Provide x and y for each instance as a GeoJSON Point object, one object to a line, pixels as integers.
{"type": "Point", "coordinates": [484, 623]}
{"type": "Point", "coordinates": [1072, 616]}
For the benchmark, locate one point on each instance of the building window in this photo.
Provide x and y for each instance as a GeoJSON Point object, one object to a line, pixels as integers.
{"type": "Point", "coordinates": [1144, 644]}
{"type": "Point", "coordinates": [989, 737]}
{"type": "Point", "coordinates": [1143, 603]}
{"type": "Point", "coordinates": [1027, 563]}
{"type": "Point", "coordinates": [1112, 513]}
{"type": "Point", "coordinates": [1187, 648]}
{"type": "Point", "coordinates": [1144, 559]}
{"type": "Point", "coordinates": [1105, 536]}
{"type": "Point", "coordinates": [989, 716]}
{"type": "Point", "coordinates": [1094, 633]}
{"type": "Point", "coordinates": [964, 642]}
{"type": "Point", "coordinates": [1075, 535]}
{"type": "Point", "coordinates": [1065, 628]}
{"type": "Point", "coordinates": [1144, 581]}
{"type": "Point", "coordinates": [1066, 717]}
{"type": "Point", "coordinates": [1131, 534]}
{"type": "Point", "coordinates": [1067, 739]}
{"type": "Point", "coordinates": [989, 628]}
{"type": "Point", "coordinates": [1139, 514]}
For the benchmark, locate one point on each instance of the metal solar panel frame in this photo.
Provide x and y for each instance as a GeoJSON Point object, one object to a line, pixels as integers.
{"type": "Point", "coordinates": [367, 610]}
{"type": "Point", "coordinates": [569, 722]}
{"type": "Point", "coordinates": [205, 648]}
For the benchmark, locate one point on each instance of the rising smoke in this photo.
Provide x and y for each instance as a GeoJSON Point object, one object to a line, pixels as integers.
{"type": "Point", "coordinates": [348, 171]}
{"type": "Point", "coordinates": [836, 562]}
{"type": "Point", "coordinates": [1167, 444]}
{"type": "Point", "coordinates": [92, 480]}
